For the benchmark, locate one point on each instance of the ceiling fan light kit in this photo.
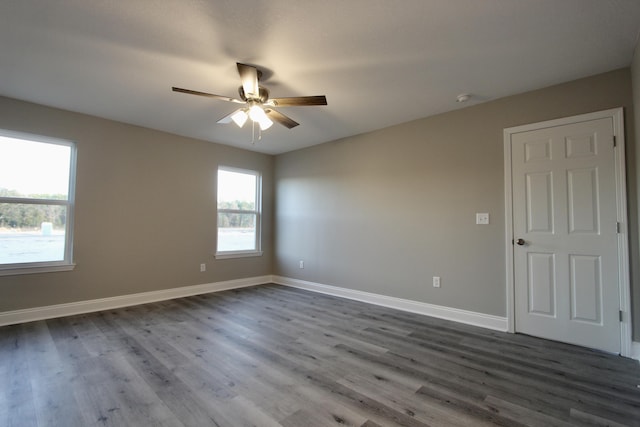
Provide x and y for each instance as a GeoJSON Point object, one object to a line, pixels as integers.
{"type": "Point", "coordinates": [239, 117]}
{"type": "Point", "coordinates": [255, 98]}
{"type": "Point", "coordinates": [257, 114]}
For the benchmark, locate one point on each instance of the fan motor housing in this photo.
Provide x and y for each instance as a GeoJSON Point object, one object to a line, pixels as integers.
{"type": "Point", "coordinates": [264, 95]}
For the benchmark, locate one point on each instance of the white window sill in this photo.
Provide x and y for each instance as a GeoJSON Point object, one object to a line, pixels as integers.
{"type": "Point", "coordinates": [244, 254]}
{"type": "Point", "coordinates": [14, 271]}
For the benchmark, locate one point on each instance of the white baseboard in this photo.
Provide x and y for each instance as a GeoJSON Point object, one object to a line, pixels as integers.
{"type": "Point", "coordinates": [463, 316]}
{"type": "Point", "coordinates": [60, 310]}
{"type": "Point", "coordinates": [635, 350]}
{"type": "Point", "coordinates": [80, 307]}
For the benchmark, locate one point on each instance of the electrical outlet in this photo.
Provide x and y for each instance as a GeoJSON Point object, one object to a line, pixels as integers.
{"type": "Point", "coordinates": [301, 264]}
{"type": "Point", "coordinates": [203, 267]}
{"type": "Point", "coordinates": [436, 281]}
{"type": "Point", "coordinates": [482, 218]}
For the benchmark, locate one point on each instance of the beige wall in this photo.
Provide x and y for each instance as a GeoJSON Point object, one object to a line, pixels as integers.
{"type": "Point", "coordinates": [145, 210]}
{"type": "Point", "coordinates": [385, 211]}
{"type": "Point", "coordinates": [635, 78]}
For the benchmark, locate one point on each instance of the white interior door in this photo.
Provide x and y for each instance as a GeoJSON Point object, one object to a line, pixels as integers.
{"type": "Point", "coordinates": [565, 257]}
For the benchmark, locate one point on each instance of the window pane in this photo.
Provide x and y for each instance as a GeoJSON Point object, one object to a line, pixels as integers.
{"type": "Point", "coordinates": [32, 233]}
{"type": "Point", "coordinates": [236, 190]}
{"type": "Point", "coordinates": [236, 232]}
{"type": "Point", "coordinates": [34, 169]}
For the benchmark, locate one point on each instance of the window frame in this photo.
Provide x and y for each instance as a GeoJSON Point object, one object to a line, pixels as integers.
{"type": "Point", "coordinates": [257, 212]}
{"type": "Point", "coordinates": [67, 263]}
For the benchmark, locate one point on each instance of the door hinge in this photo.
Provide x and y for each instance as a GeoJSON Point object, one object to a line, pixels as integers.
{"type": "Point", "coordinates": [621, 314]}
{"type": "Point", "coordinates": [615, 142]}
{"type": "Point", "coordinates": [618, 227]}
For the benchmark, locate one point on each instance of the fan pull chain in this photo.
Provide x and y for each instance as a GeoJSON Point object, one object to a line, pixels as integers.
{"type": "Point", "coordinates": [253, 132]}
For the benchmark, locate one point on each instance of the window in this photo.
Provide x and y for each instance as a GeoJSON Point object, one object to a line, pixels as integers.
{"type": "Point", "coordinates": [37, 183]}
{"type": "Point", "coordinates": [238, 213]}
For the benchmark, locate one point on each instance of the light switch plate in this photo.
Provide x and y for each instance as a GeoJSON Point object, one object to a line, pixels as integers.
{"type": "Point", "coordinates": [482, 218]}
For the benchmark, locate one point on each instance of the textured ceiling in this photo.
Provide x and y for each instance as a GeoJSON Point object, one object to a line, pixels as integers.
{"type": "Point", "coordinates": [379, 62]}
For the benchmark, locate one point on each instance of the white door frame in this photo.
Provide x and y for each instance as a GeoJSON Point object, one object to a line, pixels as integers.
{"type": "Point", "coordinates": [617, 115]}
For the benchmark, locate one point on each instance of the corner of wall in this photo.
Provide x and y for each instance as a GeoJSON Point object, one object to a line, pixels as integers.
{"type": "Point", "coordinates": [635, 88]}
{"type": "Point", "coordinates": [635, 350]}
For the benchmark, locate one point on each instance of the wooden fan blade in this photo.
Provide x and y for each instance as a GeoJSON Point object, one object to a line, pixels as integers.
{"type": "Point", "coordinates": [249, 77]}
{"type": "Point", "coordinates": [208, 95]}
{"type": "Point", "coordinates": [299, 101]}
{"type": "Point", "coordinates": [281, 118]}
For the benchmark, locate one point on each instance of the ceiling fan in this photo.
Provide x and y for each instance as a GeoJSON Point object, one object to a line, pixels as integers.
{"type": "Point", "coordinates": [257, 104]}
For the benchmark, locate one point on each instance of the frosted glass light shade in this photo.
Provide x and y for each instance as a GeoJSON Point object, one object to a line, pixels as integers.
{"type": "Point", "coordinates": [239, 118]}
{"type": "Point", "coordinates": [257, 114]}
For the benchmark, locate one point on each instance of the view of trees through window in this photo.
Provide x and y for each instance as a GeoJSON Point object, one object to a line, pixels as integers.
{"type": "Point", "coordinates": [236, 220]}
{"type": "Point", "coordinates": [23, 217]}
{"type": "Point", "coordinates": [35, 199]}
{"type": "Point", "coordinates": [238, 212]}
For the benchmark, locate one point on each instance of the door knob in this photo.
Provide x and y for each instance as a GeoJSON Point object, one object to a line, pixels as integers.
{"type": "Point", "coordinates": [520, 242]}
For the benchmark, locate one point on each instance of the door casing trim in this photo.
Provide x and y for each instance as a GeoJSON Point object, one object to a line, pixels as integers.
{"type": "Point", "coordinates": [617, 116]}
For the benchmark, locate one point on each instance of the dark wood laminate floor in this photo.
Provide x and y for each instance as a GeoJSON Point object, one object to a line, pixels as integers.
{"type": "Point", "coordinates": [277, 356]}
